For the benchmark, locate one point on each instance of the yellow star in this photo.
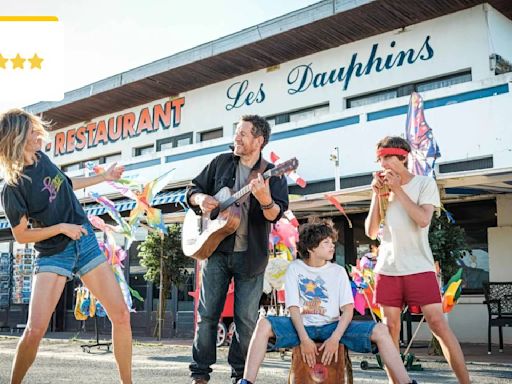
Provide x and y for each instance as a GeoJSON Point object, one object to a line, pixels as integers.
{"type": "Point", "coordinates": [310, 287]}
{"type": "Point", "coordinates": [3, 61]}
{"type": "Point", "coordinates": [18, 62]}
{"type": "Point", "coordinates": [35, 61]}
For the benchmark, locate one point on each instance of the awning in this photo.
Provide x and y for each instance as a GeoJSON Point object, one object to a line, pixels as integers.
{"type": "Point", "coordinates": [168, 197]}
{"type": "Point", "coordinates": [455, 187]}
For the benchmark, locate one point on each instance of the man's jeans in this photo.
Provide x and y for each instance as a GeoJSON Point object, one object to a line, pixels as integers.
{"type": "Point", "coordinates": [216, 275]}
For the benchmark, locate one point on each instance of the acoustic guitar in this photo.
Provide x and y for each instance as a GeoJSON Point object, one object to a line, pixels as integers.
{"type": "Point", "coordinates": [202, 234]}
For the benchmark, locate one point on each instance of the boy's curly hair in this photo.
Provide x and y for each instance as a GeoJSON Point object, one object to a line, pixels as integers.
{"type": "Point", "coordinates": [311, 234]}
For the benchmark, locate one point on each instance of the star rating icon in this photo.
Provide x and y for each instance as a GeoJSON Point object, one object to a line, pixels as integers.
{"type": "Point", "coordinates": [18, 62]}
{"type": "Point", "coordinates": [3, 61]}
{"type": "Point", "coordinates": [35, 61]}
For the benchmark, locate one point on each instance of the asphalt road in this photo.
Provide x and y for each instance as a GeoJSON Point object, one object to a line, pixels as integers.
{"type": "Point", "coordinates": [62, 361]}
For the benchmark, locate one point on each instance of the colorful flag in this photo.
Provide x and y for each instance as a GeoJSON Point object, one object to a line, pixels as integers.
{"type": "Point", "coordinates": [452, 291]}
{"type": "Point", "coordinates": [424, 148]}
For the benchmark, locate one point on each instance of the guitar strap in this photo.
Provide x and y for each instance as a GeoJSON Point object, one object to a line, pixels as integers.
{"type": "Point", "coordinates": [253, 175]}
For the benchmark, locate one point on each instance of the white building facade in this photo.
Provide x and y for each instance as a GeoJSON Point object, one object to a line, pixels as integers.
{"type": "Point", "coordinates": [346, 98]}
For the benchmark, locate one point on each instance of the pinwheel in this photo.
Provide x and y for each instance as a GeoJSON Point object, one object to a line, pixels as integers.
{"type": "Point", "coordinates": [114, 253]}
{"type": "Point", "coordinates": [363, 285]}
{"type": "Point", "coordinates": [144, 199]}
{"type": "Point", "coordinates": [122, 226]}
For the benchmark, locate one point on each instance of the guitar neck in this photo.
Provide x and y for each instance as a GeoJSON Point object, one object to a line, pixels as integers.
{"type": "Point", "coordinates": [238, 195]}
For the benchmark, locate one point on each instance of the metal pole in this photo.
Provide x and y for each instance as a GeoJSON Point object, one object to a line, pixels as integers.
{"type": "Point", "coordinates": [161, 297]}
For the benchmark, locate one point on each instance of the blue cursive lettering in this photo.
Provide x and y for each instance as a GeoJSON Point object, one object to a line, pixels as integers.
{"type": "Point", "coordinates": [301, 77]}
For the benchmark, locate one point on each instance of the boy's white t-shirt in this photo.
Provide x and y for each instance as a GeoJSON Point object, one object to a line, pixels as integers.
{"type": "Point", "coordinates": [404, 249]}
{"type": "Point", "coordinates": [319, 292]}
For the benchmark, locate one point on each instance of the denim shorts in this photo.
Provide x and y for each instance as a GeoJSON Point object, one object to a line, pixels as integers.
{"type": "Point", "coordinates": [356, 337]}
{"type": "Point", "coordinates": [78, 258]}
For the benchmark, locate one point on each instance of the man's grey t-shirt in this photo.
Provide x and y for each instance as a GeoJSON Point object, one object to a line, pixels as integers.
{"type": "Point", "coordinates": [242, 174]}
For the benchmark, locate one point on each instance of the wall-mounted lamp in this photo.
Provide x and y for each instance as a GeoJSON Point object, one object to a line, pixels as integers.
{"type": "Point", "coordinates": [335, 157]}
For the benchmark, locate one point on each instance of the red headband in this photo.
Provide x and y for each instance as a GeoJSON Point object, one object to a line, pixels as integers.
{"type": "Point", "coordinates": [391, 151]}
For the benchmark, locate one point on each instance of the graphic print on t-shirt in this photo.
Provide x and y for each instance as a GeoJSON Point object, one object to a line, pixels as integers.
{"type": "Point", "coordinates": [313, 293]}
{"type": "Point", "coordinates": [52, 186]}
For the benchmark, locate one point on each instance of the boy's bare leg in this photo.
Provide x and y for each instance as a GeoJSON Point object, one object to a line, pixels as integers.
{"type": "Point", "coordinates": [449, 344]}
{"type": "Point", "coordinates": [389, 355]}
{"type": "Point", "coordinates": [257, 349]}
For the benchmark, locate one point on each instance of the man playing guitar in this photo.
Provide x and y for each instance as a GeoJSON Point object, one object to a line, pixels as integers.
{"type": "Point", "coordinates": [242, 255]}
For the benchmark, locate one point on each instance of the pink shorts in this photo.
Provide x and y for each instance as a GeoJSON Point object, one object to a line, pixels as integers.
{"type": "Point", "coordinates": [414, 290]}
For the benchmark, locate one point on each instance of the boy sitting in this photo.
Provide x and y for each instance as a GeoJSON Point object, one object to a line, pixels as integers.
{"type": "Point", "coordinates": [316, 291]}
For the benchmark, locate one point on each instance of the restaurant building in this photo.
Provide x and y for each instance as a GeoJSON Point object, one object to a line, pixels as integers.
{"type": "Point", "coordinates": [332, 79]}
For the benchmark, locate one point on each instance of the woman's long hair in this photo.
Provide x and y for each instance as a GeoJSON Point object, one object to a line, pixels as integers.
{"type": "Point", "coordinates": [14, 128]}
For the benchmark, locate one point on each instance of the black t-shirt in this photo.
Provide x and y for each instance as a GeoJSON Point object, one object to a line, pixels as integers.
{"type": "Point", "coordinates": [46, 199]}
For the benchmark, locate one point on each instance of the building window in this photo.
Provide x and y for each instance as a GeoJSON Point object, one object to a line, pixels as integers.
{"type": "Point", "coordinates": [141, 151]}
{"type": "Point", "coordinates": [376, 97]}
{"type": "Point", "coordinates": [407, 89]}
{"type": "Point", "coordinates": [173, 142]}
{"type": "Point", "coordinates": [183, 141]}
{"type": "Point", "coordinates": [467, 165]}
{"type": "Point", "coordinates": [210, 135]}
{"type": "Point", "coordinates": [71, 167]}
{"type": "Point", "coordinates": [309, 113]}
{"type": "Point", "coordinates": [475, 218]}
{"type": "Point", "coordinates": [107, 159]}
{"type": "Point", "coordinates": [443, 82]}
{"type": "Point", "coordinates": [298, 115]}
{"type": "Point", "coordinates": [138, 283]}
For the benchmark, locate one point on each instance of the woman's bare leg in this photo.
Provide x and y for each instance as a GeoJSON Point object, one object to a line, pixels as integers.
{"type": "Point", "coordinates": [46, 291]}
{"type": "Point", "coordinates": [103, 285]}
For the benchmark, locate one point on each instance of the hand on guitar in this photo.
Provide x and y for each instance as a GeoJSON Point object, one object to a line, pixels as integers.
{"type": "Point", "coordinates": [261, 189]}
{"type": "Point", "coordinates": [206, 202]}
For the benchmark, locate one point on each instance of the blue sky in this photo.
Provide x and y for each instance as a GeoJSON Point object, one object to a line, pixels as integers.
{"type": "Point", "coordinates": [103, 38]}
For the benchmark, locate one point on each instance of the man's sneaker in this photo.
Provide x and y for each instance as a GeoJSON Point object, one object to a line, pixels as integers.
{"type": "Point", "coordinates": [199, 380]}
{"type": "Point", "coordinates": [244, 381]}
